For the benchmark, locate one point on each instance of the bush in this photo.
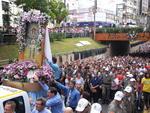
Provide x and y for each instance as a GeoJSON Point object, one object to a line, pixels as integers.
{"type": "Point", "coordinates": [56, 36]}
{"type": "Point", "coordinates": [119, 30]}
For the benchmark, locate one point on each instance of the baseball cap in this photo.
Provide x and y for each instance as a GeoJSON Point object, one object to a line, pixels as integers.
{"type": "Point", "coordinates": [132, 79]}
{"type": "Point", "coordinates": [128, 89]}
{"type": "Point", "coordinates": [96, 108]}
{"type": "Point", "coordinates": [129, 75]}
{"type": "Point", "coordinates": [82, 104]}
{"type": "Point", "coordinates": [119, 95]}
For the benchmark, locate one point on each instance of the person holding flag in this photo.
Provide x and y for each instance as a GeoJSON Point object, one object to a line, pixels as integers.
{"type": "Point", "coordinates": [55, 67]}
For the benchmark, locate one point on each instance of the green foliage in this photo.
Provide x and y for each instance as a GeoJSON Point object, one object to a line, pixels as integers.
{"type": "Point", "coordinates": [56, 36]}
{"type": "Point", "coordinates": [33, 4]}
{"type": "Point", "coordinates": [119, 30]}
{"type": "Point", "coordinates": [57, 10]}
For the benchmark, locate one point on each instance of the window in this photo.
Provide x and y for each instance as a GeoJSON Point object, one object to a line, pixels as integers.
{"type": "Point", "coordinates": [5, 6]}
{"type": "Point", "coordinates": [20, 106]}
{"type": "Point", "coordinates": [6, 20]}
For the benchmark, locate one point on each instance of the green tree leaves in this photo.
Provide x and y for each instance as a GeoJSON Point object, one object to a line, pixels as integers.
{"type": "Point", "coordinates": [56, 9]}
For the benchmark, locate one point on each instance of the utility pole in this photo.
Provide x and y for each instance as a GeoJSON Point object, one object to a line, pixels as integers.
{"type": "Point", "coordinates": [94, 13]}
{"type": "Point", "coordinates": [148, 18]}
{"type": "Point", "coordinates": [65, 20]}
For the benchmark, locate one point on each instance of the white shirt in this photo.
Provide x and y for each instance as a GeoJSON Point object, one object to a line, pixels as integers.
{"type": "Point", "coordinates": [45, 110]}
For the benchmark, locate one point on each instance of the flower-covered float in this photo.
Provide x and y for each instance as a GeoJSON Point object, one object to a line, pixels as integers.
{"type": "Point", "coordinates": [30, 73]}
{"type": "Point", "coordinates": [23, 75]}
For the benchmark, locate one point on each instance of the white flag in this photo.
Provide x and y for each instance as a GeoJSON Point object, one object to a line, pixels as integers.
{"type": "Point", "coordinates": [47, 48]}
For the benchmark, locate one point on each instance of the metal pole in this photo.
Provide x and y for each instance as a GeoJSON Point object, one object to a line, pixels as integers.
{"type": "Point", "coordinates": [65, 21]}
{"type": "Point", "coordinates": [94, 12]}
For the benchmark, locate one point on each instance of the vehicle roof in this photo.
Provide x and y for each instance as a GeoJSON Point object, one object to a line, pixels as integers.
{"type": "Point", "coordinates": [6, 91]}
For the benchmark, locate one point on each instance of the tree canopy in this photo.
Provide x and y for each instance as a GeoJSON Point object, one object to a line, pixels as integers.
{"type": "Point", "coordinates": [56, 9]}
{"type": "Point", "coordinates": [33, 4]}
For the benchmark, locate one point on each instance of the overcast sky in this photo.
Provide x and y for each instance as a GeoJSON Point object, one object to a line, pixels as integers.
{"type": "Point", "coordinates": [105, 4]}
{"type": "Point", "coordinates": [102, 4]}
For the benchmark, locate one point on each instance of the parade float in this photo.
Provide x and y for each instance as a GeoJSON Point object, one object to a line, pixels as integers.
{"type": "Point", "coordinates": [31, 37]}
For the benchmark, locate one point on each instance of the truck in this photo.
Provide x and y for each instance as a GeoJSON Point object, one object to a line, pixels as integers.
{"type": "Point", "coordinates": [20, 97]}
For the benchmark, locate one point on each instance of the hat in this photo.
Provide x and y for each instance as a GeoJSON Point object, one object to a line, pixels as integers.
{"type": "Point", "coordinates": [129, 75]}
{"type": "Point", "coordinates": [119, 95]}
{"type": "Point", "coordinates": [82, 104]}
{"type": "Point", "coordinates": [96, 108]}
{"type": "Point", "coordinates": [128, 89]}
{"type": "Point", "coordinates": [132, 79]}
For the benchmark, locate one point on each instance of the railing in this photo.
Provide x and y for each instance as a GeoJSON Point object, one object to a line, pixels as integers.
{"type": "Point", "coordinates": [4, 62]}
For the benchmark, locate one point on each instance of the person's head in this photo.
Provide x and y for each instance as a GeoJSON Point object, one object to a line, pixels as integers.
{"type": "Point", "coordinates": [147, 75]}
{"type": "Point", "coordinates": [40, 104]}
{"type": "Point", "coordinates": [132, 81]}
{"type": "Point", "coordinates": [96, 108]}
{"type": "Point", "coordinates": [54, 60]}
{"type": "Point", "coordinates": [72, 84]}
{"type": "Point", "coordinates": [118, 96]}
{"type": "Point", "coordinates": [9, 107]}
{"type": "Point", "coordinates": [78, 75]}
{"type": "Point", "coordinates": [68, 110]}
{"type": "Point", "coordinates": [52, 92]}
{"type": "Point", "coordinates": [128, 91]}
{"type": "Point", "coordinates": [138, 79]}
{"type": "Point", "coordinates": [33, 32]}
{"type": "Point", "coordinates": [83, 106]}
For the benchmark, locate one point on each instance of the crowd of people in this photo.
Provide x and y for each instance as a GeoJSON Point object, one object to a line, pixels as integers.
{"type": "Point", "coordinates": [144, 47]}
{"type": "Point", "coordinates": [85, 85]}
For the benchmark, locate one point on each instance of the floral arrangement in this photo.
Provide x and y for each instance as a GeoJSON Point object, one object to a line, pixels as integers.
{"type": "Point", "coordinates": [19, 71]}
{"type": "Point", "coordinates": [45, 73]}
{"type": "Point", "coordinates": [32, 16]}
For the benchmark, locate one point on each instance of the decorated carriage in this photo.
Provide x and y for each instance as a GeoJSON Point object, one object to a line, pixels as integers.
{"type": "Point", "coordinates": [30, 70]}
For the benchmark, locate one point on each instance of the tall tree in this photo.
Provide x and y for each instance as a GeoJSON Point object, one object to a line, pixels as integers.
{"type": "Point", "coordinates": [57, 10]}
{"type": "Point", "coordinates": [33, 4]}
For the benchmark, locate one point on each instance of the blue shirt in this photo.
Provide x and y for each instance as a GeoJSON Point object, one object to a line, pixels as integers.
{"type": "Point", "coordinates": [56, 70]}
{"type": "Point", "coordinates": [41, 93]}
{"type": "Point", "coordinates": [74, 94]}
{"type": "Point", "coordinates": [96, 81]}
{"type": "Point", "coordinates": [55, 103]}
{"type": "Point", "coordinates": [45, 110]}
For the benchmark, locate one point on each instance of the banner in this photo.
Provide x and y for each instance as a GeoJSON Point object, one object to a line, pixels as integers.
{"type": "Point", "coordinates": [47, 48]}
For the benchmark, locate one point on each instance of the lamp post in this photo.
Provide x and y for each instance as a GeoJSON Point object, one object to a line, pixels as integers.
{"type": "Point", "coordinates": [94, 13]}
{"type": "Point", "coordinates": [65, 21]}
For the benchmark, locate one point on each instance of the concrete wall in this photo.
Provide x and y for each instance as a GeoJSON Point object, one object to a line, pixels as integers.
{"type": "Point", "coordinates": [61, 59]}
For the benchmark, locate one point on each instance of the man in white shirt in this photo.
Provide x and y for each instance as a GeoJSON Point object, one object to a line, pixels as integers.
{"type": "Point", "coordinates": [40, 106]}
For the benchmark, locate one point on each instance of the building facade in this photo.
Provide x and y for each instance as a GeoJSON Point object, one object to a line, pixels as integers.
{"type": "Point", "coordinates": [84, 10]}
{"type": "Point", "coordinates": [126, 11]}
{"type": "Point", "coordinates": [143, 12]}
{"type": "Point", "coordinates": [8, 13]}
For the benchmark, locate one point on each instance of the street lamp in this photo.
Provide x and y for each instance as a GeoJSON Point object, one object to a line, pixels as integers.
{"type": "Point", "coordinates": [94, 13]}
